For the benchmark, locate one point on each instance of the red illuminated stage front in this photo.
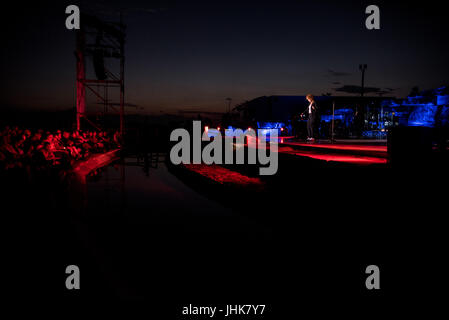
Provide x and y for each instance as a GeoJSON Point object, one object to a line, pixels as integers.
{"type": "Point", "coordinates": [356, 152]}
{"type": "Point", "coordinates": [362, 152]}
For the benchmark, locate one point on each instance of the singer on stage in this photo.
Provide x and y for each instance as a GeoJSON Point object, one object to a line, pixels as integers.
{"type": "Point", "coordinates": [312, 109]}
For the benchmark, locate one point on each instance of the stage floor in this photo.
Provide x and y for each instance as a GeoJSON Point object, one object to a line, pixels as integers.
{"type": "Point", "coordinates": [362, 152]}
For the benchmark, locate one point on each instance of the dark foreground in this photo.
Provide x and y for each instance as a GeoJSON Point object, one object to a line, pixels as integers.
{"type": "Point", "coordinates": [170, 237]}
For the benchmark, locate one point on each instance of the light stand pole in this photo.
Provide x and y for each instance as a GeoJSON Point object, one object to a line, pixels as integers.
{"type": "Point", "coordinates": [229, 104]}
{"type": "Point", "coordinates": [362, 68]}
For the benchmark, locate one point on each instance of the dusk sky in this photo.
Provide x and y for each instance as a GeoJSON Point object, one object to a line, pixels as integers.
{"type": "Point", "coordinates": [193, 55]}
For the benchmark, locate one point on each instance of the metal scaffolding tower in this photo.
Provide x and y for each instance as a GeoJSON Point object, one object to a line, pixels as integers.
{"type": "Point", "coordinates": [100, 40]}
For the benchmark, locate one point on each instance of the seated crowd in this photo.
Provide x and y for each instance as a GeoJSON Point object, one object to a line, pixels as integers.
{"type": "Point", "coordinates": [41, 149]}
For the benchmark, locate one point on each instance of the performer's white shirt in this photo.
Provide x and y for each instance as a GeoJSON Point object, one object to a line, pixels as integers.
{"type": "Point", "coordinates": [310, 107]}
